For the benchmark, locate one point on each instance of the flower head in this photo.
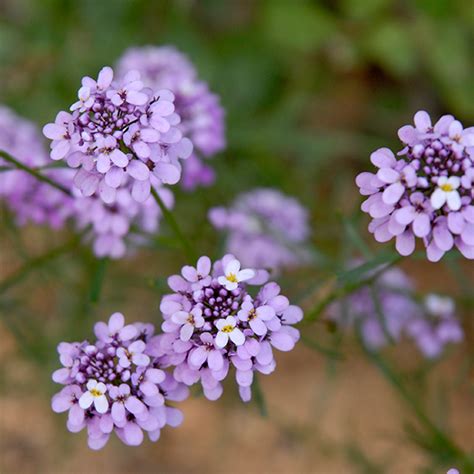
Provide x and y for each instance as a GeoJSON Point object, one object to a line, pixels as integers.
{"type": "Point", "coordinates": [265, 229]}
{"type": "Point", "coordinates": [211, 323]}
{"type": "Point", "coordinates": [119, 134]}
{"type": "Point", "coordinates": [388, 311]}
{"type": "Point", "coordinates": [426, 191]}
{"type": "Point", "coordinates": [116, 385]}
{"type": "Point", "coordinates": [202, 117]}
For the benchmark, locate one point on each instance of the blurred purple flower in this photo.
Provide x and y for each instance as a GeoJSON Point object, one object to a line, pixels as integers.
{"type": "Point", "coordinates": [229, 327]}
{"type": "Point", "coordinates": [116, 385]}
{"type": "Point", "coordinates": [388, 311]}
{"type": "Point", "coordinates": [118, 134]}
{"type": "Point", "coordinates": [437, 328]}
{"type": "Point", "coordinates": [202, 117]}
{"type": "Point", "coordinates": [120, 227]}
{"type": "Point", "coordinates": [265, 229]}
{"type": "Point", "coordinates": [30, 200]}
{"type": "Point", "coordinates": [426, 191]}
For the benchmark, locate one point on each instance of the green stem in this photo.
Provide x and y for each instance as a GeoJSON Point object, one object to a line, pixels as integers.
{"type": "Point", "coordinates": [394, 379]}
{"type": "Point", "coordinates": [345, 290]}
{"type": "Point", "coordinates": [33, 172]}
{"type": "Point", "coordinates": [36, 263]}
{"type": "Point", "coordinates": [168, 215]}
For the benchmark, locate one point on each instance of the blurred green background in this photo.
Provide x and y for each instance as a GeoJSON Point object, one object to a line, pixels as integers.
{"type": "Point", "coordinates": [310, 88]}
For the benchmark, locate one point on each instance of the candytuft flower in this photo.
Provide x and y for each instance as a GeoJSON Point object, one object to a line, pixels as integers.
{"type": "Point", "coordinates": [211, 324]}
{"type": "Point", "coordinates": [388, 311]}
{"type": "Point", "coordinates": [116, 385]}
{"type": "Point", "coordinates": [266, 229]}
{"type": "Point", "coordinates": [118, 134]}
{"type": "Point", "coordinates": [426, 191]}
{"type": "Point", "coordinates": [233, 275]}
{"type": "Point", "coordinates": [202, 117]}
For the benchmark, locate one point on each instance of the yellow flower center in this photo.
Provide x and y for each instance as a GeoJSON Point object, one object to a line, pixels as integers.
{"type": "Point", "coordinates": [252, 314]}
{"type": "Point", "coordinates": [96, 393]}
{"type": "Point", "coordinates": [447, 187]}
{"type": "Point", "coordinates": [227, 328]}
{"type": "Point", "coordinates": [232, 277]}
{"type": "Point", "coordinates": [190, 319]}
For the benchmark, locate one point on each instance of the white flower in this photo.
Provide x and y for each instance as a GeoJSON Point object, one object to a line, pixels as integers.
{"type": "Point", "coordinates": [446, 193]}
{"type": "Point", "coordinates": [95, 395]}
{"type": "Point", "coordinates": [227, 329]}
{"type": "Point", "coordinates": [439, 305]}
{"type": "Point", "coordinates": [233, 275]}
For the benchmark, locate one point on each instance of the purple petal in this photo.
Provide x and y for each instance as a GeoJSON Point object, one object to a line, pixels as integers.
{"type": "Point", "coordinates": [138, 170]}
{"type": "Point", "coordinates": [393, 193]}
{"type": "Point", "coordinates": [282, 341]}
{"type": "Point", "coordinates": [405, 243]}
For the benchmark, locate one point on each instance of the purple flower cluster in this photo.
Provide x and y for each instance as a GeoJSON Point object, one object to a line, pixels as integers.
{"type": "Point", "coordinates": [212, 323]}
{"type": "Point", "coordinates": [265, 229]}
{"type": "Point", "coordinates": [116, 385]}
{"type": "Point", "coordinates": [120, 134]}
{"type": "Point", "coordinates": [114, 228]}
{"type": "Point", "coordinates": [387, 311]}
{"type": "Point", "coordinates": [29, 199]}
{"type": "Point", "coordinates": [119, 227]}
{"type": "Point", "coordinates": [425, 191]}
{"type": "Point", "coordinates": [202, 117]}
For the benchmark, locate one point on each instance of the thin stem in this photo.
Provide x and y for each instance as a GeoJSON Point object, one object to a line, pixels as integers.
{"type": "Point", "coordinates": [168, 215]}
{"type": "Point", "coordinates": [34, 172]}
{"type": "Point", "coordinates": [345, 290]}
{"type": "Point", "coordinates": [394, 379]}
{"type": "Point", "coordinates": [37, 262]}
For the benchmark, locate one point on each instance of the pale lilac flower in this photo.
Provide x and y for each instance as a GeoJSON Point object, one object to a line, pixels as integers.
{"type": "Point", "coordinates": [233, 275]}
{"type": "Point", "coordinates": [256, 317]}
{"type": "Point", "coordinates": [266, 229]}
{"type": "Point", "coordinates": [232, 330]}
{"type": "Point", "coordinates": [133, 354]}
{"type": "Point", "coordinates": [426, 191]}
{"type": "Point", "coordinates": [388, 311]}
{"type": "Point", "coordinates": [199, 276]}
{"type": "Point", "coordinates": [188, 321]}
{"type": "Point", "coordinates": [119, 134]}
{"type": "Point", "coordinates": [202, 117]}
{"type": "Point", "coordinates": [116, 385]}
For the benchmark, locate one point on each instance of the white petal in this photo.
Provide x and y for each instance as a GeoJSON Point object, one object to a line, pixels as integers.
{"type": "Point", "coordinates": [237, 337]}
{"type": "Point", "coordinates": [232, 267]}
{"type": "Point", "coordinates": [245, 274]}
{"type": "Point", "coordinates": [86, 400]}
{"type": "Point", "coordinates": [101, 404]}
{"type": "Point", "coordinates": [454, 201]}
{"type": "Point", "coordinates": [454, 181]}
{"type": "Point", "coordinates": [221, 339]}
{"type": "Point", "coordinates": [438, 198]}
